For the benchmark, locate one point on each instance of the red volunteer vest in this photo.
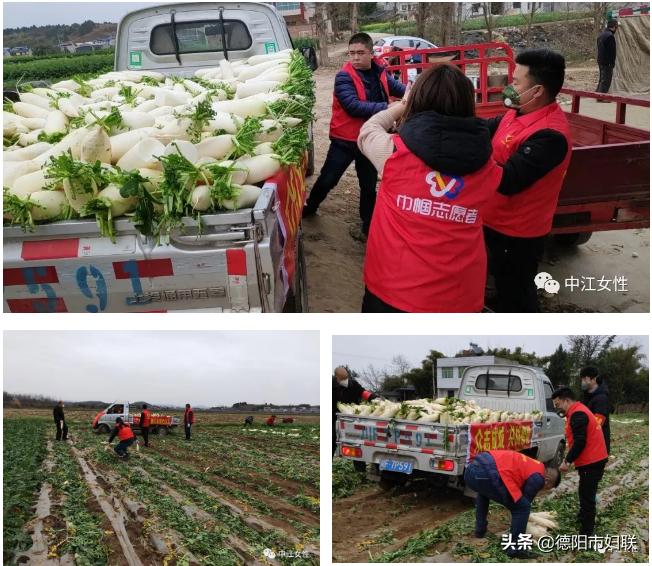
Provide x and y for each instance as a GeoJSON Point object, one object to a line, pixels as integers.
{"type": "Point", "coordinates": [189, 417]}
{"type": "Point", "coordinates": [346, 127]}
{"type": "Point", "coordinates": [125, 432]}
{"type": "Point", "coordinates": [425, 251]}
{"type": "Point", "coordinates": [514, 469]}
{"type": "Point", "coordinates": [146, 417]}
{"type": "Point", "coordinates": [595, 449]}
{"type": "Point", "coordinates": [527, 214]}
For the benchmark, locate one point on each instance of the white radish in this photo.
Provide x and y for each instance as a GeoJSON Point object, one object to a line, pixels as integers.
{"type": "Point", "coordinates": [30, 110]}
{"type": "Point", "coordinates": [244, 107]}
{"type": "Point", "coordinates": [143, 154]}
{"type": "Point", "coordinates": [239, 175]}
{"type": "Point", "coordinates": [26, 153]}
{"type": "Point", "coordinates": [200, 198]}
{"type": "Point", "coordinates": [96, 146]}
{"type": "Point", "coordinates": [250, 71]}
{"type": "Point", "coordinates": [217, 147]}
{"type": "Point", "coordinates": [227, 71]}
{"type": "Point", "coordinates": [280, 55]}
{"type": "Point", "coordinates": [137, 120]}
{"type": "Point", "coordinates": [119, 204]}
{"type": "Point", "coordinates": [259, 167]}
{"type": "Point", "coordinates": [247, 197]}
{"type": "Point", "coordinates": [29, 138]}
{"type": "Point", "coordinates": [48, 205]}
{"type": "Point", "coordinates": [34, 123]}
{"type": "Point", "coordinates": [70, 85]}
{"type": "Point", "coordinates": [122, 143]}
{"type": "Point", "coordinates": [222, 121]}
{"type": "Point", "coordinates": [28, 184]}
{"type": "Point", "coordinates": [264, 148]}
{"type": "Point", "coordinates": [16, 169]}
{"type": "Point", "coordinates": [36, 100]}
{"type": "Point", "coordinates": [146, 106]}
{"type": "Point", "coordinates": [183, 147]}
{"type": "Point", "coordinates": [56, 122]}
{"type": "Point", "coordinates": [245, 90]}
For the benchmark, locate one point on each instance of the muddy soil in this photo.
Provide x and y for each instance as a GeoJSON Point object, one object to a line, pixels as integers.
{"type": "Point", "coordinates": [334, 259]}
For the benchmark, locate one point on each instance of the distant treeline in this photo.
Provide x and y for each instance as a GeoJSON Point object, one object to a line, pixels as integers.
{"type": "Point", "coordinates": [25, 401]}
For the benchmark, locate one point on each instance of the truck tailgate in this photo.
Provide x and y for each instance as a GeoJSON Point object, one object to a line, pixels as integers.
{"type": "Point", "coordinates": [67, 267]}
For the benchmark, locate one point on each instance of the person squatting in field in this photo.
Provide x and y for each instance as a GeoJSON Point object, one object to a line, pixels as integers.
{"type": "Point", "coordinates": [362, 89]}
{"type": "Point", "coordinates": [511, 479]}
{"type": "Point", "coordinates": [126, 436]}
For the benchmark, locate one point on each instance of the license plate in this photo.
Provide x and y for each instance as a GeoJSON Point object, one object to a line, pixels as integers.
{"type": "Point", "coordinates": [396, 466]}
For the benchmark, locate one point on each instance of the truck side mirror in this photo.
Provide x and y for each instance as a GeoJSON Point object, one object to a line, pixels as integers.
{"type": "Point", "coordinates": [310, 56]}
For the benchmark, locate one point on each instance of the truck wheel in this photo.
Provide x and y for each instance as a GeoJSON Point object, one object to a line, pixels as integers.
{"type": "Point", "coordinates": [558, 457]}
{"type": "Point", "coordinates": [162, 431]}
{"type": "Point", "coordinates": [297, 300]}
{"type": "Point", "coordinates": [103, 429]}
{"type": "Point", "coordinates": [570, 240]}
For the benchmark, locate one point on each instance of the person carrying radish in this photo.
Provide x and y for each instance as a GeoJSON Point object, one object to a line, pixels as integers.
{"type": "Point", "coordinates": [188, 420]}
{"type": "Point", "coordinates": [513, 480]}
{"type": "Point", "coordinates": [426, 249]}
{"type": "Point", "coordinates": [126, 436]}
{"type": "Point", "coordinates": [362, 89]}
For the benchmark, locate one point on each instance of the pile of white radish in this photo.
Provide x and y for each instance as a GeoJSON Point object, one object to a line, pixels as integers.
{"type": "Point", "coordinates": [158, 149]}
{"type": "Point", "coordinates": [445, 410]}
{"type": "Point", "coordinates": [539, 524]}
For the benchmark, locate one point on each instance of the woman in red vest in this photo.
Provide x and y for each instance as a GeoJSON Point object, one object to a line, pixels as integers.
{"type": "Point", "coordinates": [426, 250]}
{"type": "Point", "coordinates": [587, 451]}
{"type": "Point", "coordinates": [188, 420]}
{"type": "Point", "coordinates": [511, 479]}
{"type": "Point", "coordinates": [126, 436]}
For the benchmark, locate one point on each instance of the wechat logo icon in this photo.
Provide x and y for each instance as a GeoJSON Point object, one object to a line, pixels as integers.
{"type": "Point", "coordinates": [546, 282]}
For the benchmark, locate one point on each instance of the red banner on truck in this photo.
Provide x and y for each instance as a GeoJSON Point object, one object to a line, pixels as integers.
{"type": "Point", "coordinates": [513, 435]}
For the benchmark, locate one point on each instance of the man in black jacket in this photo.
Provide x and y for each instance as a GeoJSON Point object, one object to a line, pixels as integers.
{"type": "Point", "coordinates": [60, 421]}
{"type": "Point", "coordinates": [606, 56]}
{"type": "Point", "coordinates": [346, 390]}
{"type": "Point", "coordinates": [596, 398]}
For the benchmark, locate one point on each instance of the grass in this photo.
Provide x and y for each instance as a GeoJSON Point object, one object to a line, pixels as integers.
{"type": "Point", "coordinates": [478, 23]}
{"type": "Point", "coordinates": [345, 479]}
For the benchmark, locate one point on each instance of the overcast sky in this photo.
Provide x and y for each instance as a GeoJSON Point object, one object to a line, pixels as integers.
{"type": "Point", "coordinates": [201, 368]}
{"type": "Point", "coordinates": [21, 14]}
{"type": "Point", "coordinates": [358, 352]}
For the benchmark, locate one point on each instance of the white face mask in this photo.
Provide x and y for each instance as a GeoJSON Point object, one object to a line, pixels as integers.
{"type": "Point", "coordinates": [344, 383]}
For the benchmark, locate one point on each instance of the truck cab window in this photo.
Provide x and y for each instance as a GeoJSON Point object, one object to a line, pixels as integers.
{"type": "Point", "coordinates": [200, 36]}
{"type": "Point", "coordinates": [498, 383]}
{"type": "Point", "coordinates": [548, 391]}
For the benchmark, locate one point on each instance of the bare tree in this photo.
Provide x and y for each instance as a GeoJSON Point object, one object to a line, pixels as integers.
{"type": "Point", "coordinates": [354, 17]}
{"type": "Point", "coordinates": [489, 20]}
{"type": "Point", "coordinates": [400, 365]}
{"type": "Point", "coordinates": [321, 22]}
{"type": "Point", "coordinates": [585, 349]}
{"type": "Point", "coordinates": [598, 12]}
{"type": "Point", "coordinates": [373, 378]}
{"type": "Point", "coordinates": [423, 12]}
{"type": "Point", "coordinates": [395, 18]}
{"type": "Point", "coordinates": [528, 18]}
{"type": "Point", "coordinates": [446, 21]}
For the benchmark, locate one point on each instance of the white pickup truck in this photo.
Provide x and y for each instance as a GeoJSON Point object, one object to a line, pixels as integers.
{"type": "Point", "coordinates": [104, 421]}
{"type": "Point", "coordinates": [250, 260]}
{"type": "Point", "coordinates": [395, 450]}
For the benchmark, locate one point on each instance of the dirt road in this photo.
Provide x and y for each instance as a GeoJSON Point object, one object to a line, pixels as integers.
{"type": "Point", "coordinates": [334, 259]}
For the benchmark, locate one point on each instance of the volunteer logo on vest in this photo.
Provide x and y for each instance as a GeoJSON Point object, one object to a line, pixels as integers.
{"type": "Point", "coordinates": [443, 185]}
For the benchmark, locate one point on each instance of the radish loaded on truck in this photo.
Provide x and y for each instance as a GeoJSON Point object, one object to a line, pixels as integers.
{"type": "Point", "coordinates": [175, 182]}
{"type": "Point", "coordinates": [104, 421]}
{"type": "Point", "coordinates": [499, 408]}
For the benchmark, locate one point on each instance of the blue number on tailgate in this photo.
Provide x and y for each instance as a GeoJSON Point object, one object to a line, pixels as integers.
{"type": "Point", "coordinates": [131, 267]}
{"type": "Point", "coordinates": [100, 287]}
{"type": "Point", "coordinates": [30, 273]}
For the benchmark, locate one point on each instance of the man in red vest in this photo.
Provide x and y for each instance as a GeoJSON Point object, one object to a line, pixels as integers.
{"type": "Point", "coordinates": [532, 143]}
{"type": "Point", "coordinates": [511, 479]}
{"type": "Point", "coordinates": [145, 421]}
{"type": "Point", "coordinates": [587, 451]}
{"type": "Point", "coordinates": [126, 436]}
{"type": "Point", "coordinates": [362, 88]}
{"type": "Point", "coordinates": [188, 420]}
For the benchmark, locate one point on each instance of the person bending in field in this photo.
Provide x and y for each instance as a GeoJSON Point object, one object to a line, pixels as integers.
{"type": "Point", "coordinates": [249, 421]}
{"type": "Point", "coordinates": [60, 421]}
{"type": "Point", "coordinates": [126, 436]}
